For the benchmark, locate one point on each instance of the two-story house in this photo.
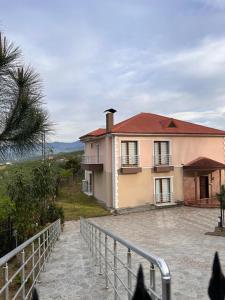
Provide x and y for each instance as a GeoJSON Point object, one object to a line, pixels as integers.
{"type": "Point", "coordinates": [153, 159]}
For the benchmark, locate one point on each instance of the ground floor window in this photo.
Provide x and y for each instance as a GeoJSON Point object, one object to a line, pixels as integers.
{"type": "Point", "coordinates": [87, 183]}
{"type": "Point", "coordinates": [163, 190]}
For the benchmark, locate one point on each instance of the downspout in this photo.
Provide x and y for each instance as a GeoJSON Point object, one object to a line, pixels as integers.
{"type": "Point", "coordinates": [113, 173]}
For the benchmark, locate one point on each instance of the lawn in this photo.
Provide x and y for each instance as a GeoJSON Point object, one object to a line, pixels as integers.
{"type": "Point", "coordinates": [76, 204]}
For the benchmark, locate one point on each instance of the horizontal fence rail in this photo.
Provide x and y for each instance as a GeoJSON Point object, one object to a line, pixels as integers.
{"type": "Point", "coordinates": [162, 159]}
{"type": "Point", "coordinates": [94, 159]}
{"type": "Point", "coordinates": [22, 266]}
{"type": "Point", "coordinates": [130, 161]}
{"type": "Point", "coordinates": [118, 260]}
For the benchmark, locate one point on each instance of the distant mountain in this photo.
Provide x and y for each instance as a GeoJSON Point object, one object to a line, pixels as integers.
{"type": "Point", "coordinates": [65, 147]}
{"type": "Point", "coordinates": [57, 147]}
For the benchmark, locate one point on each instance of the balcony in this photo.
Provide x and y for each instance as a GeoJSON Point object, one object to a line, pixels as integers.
{"type": "Point", "coordinates": [92, 163]}
{"type": "Point", "coordinates": [130, 164]}
{"type": "Point", "coordinates": [87, 188]}
{"type": "Point", "coordinates": [162, 163]}
{"type": "Point", "coordinates": [162, 198]}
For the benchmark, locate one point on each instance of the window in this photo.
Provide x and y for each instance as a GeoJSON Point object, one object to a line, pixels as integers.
{"type": "Point", "coordinates": [162, 190]}
{"type": "Point", "coordinates": [161, 153]}
{"type": "Point", "coordinates": [129, 156]}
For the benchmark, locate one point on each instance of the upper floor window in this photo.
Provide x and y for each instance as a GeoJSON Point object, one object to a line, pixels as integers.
{"type": "Point", "coordinates": [161, 153]}
{"type": "Point", "coordinates": [129, 153]}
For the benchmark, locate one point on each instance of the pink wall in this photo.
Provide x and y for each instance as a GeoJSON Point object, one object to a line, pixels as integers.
{"type": "Point", "coordinates": [183, 149]}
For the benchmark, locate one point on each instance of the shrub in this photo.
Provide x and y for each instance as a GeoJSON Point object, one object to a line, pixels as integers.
{"type": "Point", "coordinates": [54, 213]}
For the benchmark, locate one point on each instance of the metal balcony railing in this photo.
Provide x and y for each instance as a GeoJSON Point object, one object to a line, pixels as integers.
{"type": "Point", "coordinates": [163, 197]}
{"type": "Point", "coordinates": [162, 159]}
{"type": "Point", "coordinates": [87, 187]}
{"type": "Point", "coordinates": [118, 260]}
{"type": "Point", "coordinates": [130, 161]}
{"type": "Point", "coordinates": [93, 159]}
{"type": "Point", "coordinates": [32, 255]}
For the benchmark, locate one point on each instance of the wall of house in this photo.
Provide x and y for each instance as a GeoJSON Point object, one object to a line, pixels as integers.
{"type": "Point", "coordinates": [102, 180]}
{"type": "Point", "coordinates": [138, 189]}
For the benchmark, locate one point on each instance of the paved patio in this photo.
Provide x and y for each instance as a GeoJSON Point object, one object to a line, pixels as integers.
{"type": "Point", "coordinates": [176, 234]}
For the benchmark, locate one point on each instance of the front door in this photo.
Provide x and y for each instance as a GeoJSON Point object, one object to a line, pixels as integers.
{"type": "Point", "coordinates": [204, 187]}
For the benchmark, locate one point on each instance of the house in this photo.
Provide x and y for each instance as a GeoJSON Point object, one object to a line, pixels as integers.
{"type": "Point", "coordinates": [153, 159]}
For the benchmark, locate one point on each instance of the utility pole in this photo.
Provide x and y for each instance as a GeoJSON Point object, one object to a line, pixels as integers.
{"type": "Point", "coordinates": [43, 147]}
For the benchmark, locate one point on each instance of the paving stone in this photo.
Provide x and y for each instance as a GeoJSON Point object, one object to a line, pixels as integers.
{"type": "Point", "coordinates": [176, 234]}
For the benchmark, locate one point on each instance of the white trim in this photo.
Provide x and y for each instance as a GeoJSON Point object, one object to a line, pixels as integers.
{"type": "Point", "coordinates": [113, 173]}
{"type": "Point", "coordinates": [168, 135]}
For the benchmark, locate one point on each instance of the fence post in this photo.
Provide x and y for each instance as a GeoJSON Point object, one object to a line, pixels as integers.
{"type": "Point", "coordinates": [100, 252]}
{"type": "Point", "coordinates": [166, 288]}
{"type": "Point", "coordinates": [23, 283]}
{"type": "Point", "coordinates": [115, 268]}
{"type": "Point", "coordinates": [39, 255]}
{"type": "Point", "coordinates": [152, 279]}
{"type": "Point", "coordinates": [33, 263]}
{"type": "Point", "coordinates": [96, 254]}
{"type": "Point", "coordinates": [47, 244]}
{"type": "Point", "coordinates": [6, 278]}
{"type": "Point", "coordinates": [106, 262]}
{"type": "Point", "coordinates": [129, 279]}
{"type": "Point", "coordinates": [44, 252]}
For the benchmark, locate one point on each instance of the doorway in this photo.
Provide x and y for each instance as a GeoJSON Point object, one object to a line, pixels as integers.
{"type": "Point", "coordinates": [204, 187]}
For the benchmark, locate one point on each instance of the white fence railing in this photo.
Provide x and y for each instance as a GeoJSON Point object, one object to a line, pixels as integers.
{"type": "Point", "coordinates": [130, 161]}
{"type": "Point", "coordinates": [32, 256]}
{"type": "Point", "coordinates": [94, 159]}
{"type": "Point", "coordinates": [162, 159]}
{"type": "Point", "coordinates": [118, 260]}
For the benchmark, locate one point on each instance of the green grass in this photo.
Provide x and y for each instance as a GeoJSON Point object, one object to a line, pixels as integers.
{"type": "Point", "coordinates": [76, 204]}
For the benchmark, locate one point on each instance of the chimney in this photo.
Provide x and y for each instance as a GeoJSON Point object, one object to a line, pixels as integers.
{"type": "Point", "coordinates": [109, 119]}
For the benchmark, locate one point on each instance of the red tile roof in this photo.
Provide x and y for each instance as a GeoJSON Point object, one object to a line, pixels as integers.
{"type": "Point", "coordinates": [147, 123]}
{"type": "Point", "coordinates": [204, 163]}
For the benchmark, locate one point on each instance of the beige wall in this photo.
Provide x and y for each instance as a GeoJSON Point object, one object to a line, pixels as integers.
{"type": "Point", "coordinates": [138, 189]}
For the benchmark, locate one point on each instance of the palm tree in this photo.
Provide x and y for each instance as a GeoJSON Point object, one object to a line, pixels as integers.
{"type": "Point", "coordinates": [22, 117]}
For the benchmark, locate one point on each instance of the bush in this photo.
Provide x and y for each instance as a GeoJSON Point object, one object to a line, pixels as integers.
{"type": "Point", "coordinates": [54, 213]}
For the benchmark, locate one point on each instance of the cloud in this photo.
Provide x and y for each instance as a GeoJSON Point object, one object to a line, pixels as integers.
{"type": "Point", "coordinates": [160, 57]}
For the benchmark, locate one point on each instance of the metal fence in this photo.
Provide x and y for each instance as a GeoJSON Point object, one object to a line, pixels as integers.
{"type": "Point", "coordinates": [118, 260]}
{"type": "Point", "coordinates": [22, 266]}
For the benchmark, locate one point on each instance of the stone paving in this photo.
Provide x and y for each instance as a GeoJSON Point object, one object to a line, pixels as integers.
{"type": "Point", "coordinates": [176, 234]}
{"type": "Point", "coordinates": [69, 273]}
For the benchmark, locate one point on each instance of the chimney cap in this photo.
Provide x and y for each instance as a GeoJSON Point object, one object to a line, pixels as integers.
{"type": "Point", "coordinates": [110, 110]}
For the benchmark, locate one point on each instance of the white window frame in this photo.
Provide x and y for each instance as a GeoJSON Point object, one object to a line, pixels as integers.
{"type": "Point", "coordinates": [131, 140]}
{"type": "Point", "coordinates": [161, 140]}
{"type": "Point", "coordinates": [171, 188]}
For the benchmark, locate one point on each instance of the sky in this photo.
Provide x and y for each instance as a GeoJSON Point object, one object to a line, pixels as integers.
{"type": "Point", "coordinates": [165, 57]}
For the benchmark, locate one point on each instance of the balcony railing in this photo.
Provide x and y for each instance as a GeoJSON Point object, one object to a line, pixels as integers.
{"type": "Point", "coordinates": [163, 198]}
{"type": "Point", "coordinates": [93, 159]}
{"type": "Point", "coordinates": [162, 160]}
{"type": "Point", "coordinates": [130, 161]}
{"type": "Point", "coordinates": [87, 187]}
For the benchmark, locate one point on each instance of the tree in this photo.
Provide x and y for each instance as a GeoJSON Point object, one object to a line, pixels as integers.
{"type": "Point", "coordinates": [74, 165]}
{"type": "Point", "coordinates": [22, 117]}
